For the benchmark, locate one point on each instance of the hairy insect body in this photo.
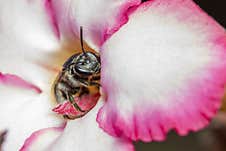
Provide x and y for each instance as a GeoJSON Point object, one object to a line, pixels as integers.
{"type": "Point", "coordinates": [78, 84]}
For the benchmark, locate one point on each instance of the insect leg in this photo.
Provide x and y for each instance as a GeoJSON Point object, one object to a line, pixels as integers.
{"type": "Point", "coordinates": [63, 93]}
{"type": "Point", "coordinates": [95, 83]}
{"type": "Point", "coordinates": [71, 99]}
{"type": "Point", "coordinates": [83, 90]}
{"type": "Point", "coordinates": [59, 93]}
{"type": "Point", "coordinates": [95, 80]}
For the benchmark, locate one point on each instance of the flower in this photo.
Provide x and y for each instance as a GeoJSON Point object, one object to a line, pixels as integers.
{"type": "Point", "coordinates": [163, 68]}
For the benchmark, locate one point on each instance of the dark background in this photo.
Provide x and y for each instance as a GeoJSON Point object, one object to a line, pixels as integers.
{"type": "Point", "coordinates": [192, 142]}
{"type": "Point", "coordinates": [215, 8]}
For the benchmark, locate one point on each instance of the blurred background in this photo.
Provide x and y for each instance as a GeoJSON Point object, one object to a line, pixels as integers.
{"type": "Point", "coordinates": [212, 138]}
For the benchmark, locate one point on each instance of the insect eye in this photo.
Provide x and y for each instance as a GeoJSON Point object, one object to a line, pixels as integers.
{"type": "Point", "coordinates": [87, 63]}
{"type": "Point", "coordinates": [81, 63]}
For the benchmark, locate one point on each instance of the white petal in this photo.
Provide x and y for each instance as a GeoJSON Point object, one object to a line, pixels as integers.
{"type": "Point", "coordinates": [85, 135]}
{"type": "Point", "coordinates": [165, 69]}
{"type": "Point", "coordinates": [26, 22]}
{"type": "Point", "coordinates": [23, 112]}
{"type": "Point", "coordinates": [99, 18]}
{"type": "Point", "coordinates": [42, 139]}
{"type": "Point", "coordinates": [26, 39]}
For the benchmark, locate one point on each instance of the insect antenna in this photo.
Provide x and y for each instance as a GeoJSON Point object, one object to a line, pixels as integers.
{"type": "Point", "coordinates": [81, 39]}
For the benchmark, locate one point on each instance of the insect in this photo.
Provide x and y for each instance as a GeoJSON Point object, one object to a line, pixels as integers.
{"type": "Point", "coordinates": [79, 81]}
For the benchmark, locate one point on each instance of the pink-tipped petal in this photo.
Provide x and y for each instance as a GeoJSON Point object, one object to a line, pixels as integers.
{"type": "Point", "coordinates": [27, 37]}
{"type": "Point", "coordinates": [52, 17]}
{"type": "Point", "coordinates": [42, 139]}
{"type": "Point", "coordinates": [84, 134]}
{"type": "Point", "coordinates": [99, 18]}
{"type": "Point", "coordinates": [30, 17]}
{"type": "Point", "coordinates": [85, 103]}
{"type": "Point", "coordinates": [13, 80]}
{"type": "Point", "coordinates": [66, 108]}
{"type": "Point", "coordinates": [165, 69]}
{"type": "Point", "coordinates": [23, 112]}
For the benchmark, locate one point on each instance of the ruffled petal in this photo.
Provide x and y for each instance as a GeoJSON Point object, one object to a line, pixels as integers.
{"type": "Point", "coordinates": [99, 18]}
{"type": "Point", "coordinates": [165, 69]}
{"type": "Point", "coordinates": [84, 135]}
{"type": "Point", "coordinates": [42, 139]}
{"type": "Point", "coordinates": [13, 80]}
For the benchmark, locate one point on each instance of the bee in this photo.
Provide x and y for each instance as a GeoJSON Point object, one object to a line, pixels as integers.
{"type": "Point", "coordinates": [79, 81]}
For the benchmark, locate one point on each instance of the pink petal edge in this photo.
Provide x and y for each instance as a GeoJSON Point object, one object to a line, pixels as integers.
{"type": "Point", "coordinates": [122, 18]}
{"type": "Point", "coordinates": [150, 123]}
{"type": "Point", "coordinates": [52, 17]}
{"type": "Point", "coordinates": [38, 134]}
{"type": "Point", "coordinates": [84, 134]}
{"type": "Point", "coordinates": [69, 18]}
{"type": "Point", "coordinates": [14, 80]}
{"type": "Point", "coordinates": [86, 103]}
